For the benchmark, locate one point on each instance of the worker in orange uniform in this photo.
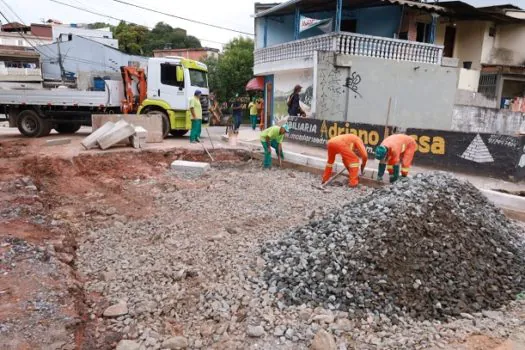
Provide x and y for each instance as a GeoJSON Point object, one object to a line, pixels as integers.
{"type": "Point", "coordinates": [395, 149]}
{"type": "Point", "coordinates": [351, 148]}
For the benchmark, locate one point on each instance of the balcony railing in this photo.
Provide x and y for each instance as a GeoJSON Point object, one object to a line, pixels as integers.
{"type": "Point", "coordinates": [353, 44]}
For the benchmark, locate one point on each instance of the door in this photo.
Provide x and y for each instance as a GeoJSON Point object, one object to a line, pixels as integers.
{"type": "Point", "coordinates": [268, 104]}
{"type": "Point", "coordinates": [171, 90]}
{"type": "Point", "coordinates": [450, 41]}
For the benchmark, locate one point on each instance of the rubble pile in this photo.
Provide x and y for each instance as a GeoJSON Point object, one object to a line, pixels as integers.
{"type": "Point", "coordinates": [425, 247]}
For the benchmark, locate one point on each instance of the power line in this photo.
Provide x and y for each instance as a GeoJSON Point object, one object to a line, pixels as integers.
{"type": "Point", "coordinates": [182, 18]}
{"type": "Point", "coordinates": [22, 35]}
{"type": "Point", "coordinates": [117, 19]}
{"type": "Point", "coordinates": [22, 21]}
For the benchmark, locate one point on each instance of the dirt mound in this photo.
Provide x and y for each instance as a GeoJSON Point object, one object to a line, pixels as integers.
{"type": "Point", "coordinates": [428, 247]}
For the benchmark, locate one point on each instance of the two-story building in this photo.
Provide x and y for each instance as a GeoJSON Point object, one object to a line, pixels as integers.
{"type": "Point", "coordinates": [370, 66]}
{"type": "Point", "coordinates": [372, 60]}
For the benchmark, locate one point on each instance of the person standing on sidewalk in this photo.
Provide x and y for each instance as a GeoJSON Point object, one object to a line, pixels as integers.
{"type": "Point", "coordinates": [237, 113]}
{"type": "Point", "coordinates": [196, 117]}
{"type": "Point", "coordinates": [253, 113]}
{"type": "Point", "coordinates": [273, 138]}
{"type": "Point", "coordinates": [294, 103]}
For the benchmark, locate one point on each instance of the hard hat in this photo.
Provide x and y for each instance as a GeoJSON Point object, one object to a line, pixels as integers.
{"type": "Point", "coordinates": [381, 152]}
{"type": "Point", "coordinates": [198, 92]}
{"type": "Point", "coordinates": [286, 127]}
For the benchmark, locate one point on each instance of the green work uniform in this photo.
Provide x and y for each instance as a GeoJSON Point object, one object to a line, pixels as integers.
{"type": "Point", "coordinates": [274, 133]}
{"type": "Point", "coordinates": [253, 114]}
{"type": "Point", "coordinates": [196, 123]}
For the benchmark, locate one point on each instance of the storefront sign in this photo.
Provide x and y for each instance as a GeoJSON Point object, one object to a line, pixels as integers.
{"type": "Point", "coordinates": [502, 156]}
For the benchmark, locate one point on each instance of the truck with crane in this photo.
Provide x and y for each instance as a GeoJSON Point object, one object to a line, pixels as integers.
{"type": "Point", "coordinates": [164, 88]}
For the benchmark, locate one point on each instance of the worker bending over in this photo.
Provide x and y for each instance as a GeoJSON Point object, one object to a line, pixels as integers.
{"type": "Point", "coordinates": [273, 137]}
{"type": "Point", "coordinates": [351, 148]}
{"type": "Point", "coordinates": [395, 149]}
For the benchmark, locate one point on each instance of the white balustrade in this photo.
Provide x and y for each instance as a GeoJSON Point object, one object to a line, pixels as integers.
{"type": "Point", "coordinates": [352, 44]}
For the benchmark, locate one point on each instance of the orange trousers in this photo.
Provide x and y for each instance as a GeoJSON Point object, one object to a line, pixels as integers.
{"type": "Point", "coordinates": [350, 160]}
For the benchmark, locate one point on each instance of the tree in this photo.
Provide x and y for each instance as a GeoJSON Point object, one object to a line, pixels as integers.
{"type": "Point", "coordinates": [229, 74]}
{"type": "Point", "coordinates": [164, 36]}
{"type": "Point", "coordinates": [131, 37]}
{"type": "Point", "coordinates": [99, 25]}
{"type": "Point", "coordinates": [139, 40]}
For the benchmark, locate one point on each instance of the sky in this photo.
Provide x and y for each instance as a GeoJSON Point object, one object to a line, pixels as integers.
{"type": "Point", "coordinates": [234, 14]}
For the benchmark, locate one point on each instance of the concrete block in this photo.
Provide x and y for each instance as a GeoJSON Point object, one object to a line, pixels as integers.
{"type": "Point", "coordinates": [151, 122]}
{"type": "Point", "coordinates": [121, 131]}
{"type": "Point", "coordinates": [56, 142]}
{"type": "Point", "coordinates": [138, 140]}
{"type": "Point", "coordinates": [91, 140]}
{"type": "Point", "coordinates": [193, 167]}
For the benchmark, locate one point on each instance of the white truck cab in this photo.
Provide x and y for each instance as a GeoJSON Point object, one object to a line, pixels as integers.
{"type": "Point", "coordinates": [172, 81]}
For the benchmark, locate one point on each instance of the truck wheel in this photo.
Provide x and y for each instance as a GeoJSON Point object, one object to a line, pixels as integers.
{"type": "Point", "coordinates": [165, 122]}
{"type": "Point", "coordinates": [65, 128]}
{"type": "Point", "coordinates": [31, 124]}
{"type": "Point", "coordinates": [178, 133]}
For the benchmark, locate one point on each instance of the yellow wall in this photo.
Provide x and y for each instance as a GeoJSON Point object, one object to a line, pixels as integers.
{"type": "Point", "coordinates": [469, 42]}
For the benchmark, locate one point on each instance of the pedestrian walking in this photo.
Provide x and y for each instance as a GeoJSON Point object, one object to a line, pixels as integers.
{"type": "Point", "coordinates": [196, 117]}
{"type": "Point", "coordinates": [294, 103]}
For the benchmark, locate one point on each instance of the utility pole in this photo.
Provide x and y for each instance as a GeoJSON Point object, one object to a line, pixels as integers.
{"type": "Point", "coordinates": [60, 62]}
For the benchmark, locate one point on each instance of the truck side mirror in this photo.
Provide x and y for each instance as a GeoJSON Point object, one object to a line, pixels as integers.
{"type": "Point", "coordinates": [179, 72]}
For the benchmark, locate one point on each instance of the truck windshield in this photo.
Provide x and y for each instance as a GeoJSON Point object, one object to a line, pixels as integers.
{"type": "Point", "coordinates": [198, 78]}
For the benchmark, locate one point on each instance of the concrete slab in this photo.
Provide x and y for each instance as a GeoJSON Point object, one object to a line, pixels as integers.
{"type": "Point", "coordinates": [138, 140]}
{"type": "Point", "coordinates": [151, 122]}
{"type": "Point", "coordinates": [91, 141]}
{"type": "Point", "coordinates": [193, 167]}
{"type": "Point", "coordinates": [120, 132]}
{"type": "Point", "coordinates": [56, 142]}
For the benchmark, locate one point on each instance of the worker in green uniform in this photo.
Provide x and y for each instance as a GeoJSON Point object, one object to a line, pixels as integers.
{"type": "Point", "coordinates": [253, 113]}
{"type": "Point", "coordinates": [196, 117]}
{"type": "Point", "coordinates": [273, 137]}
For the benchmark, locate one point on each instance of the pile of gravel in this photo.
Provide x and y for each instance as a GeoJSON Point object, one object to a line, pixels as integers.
{"type": "Point", "coordinates": [426, 247]}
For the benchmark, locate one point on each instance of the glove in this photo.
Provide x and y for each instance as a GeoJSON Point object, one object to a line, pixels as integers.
{"type": "Point", "coordinates": [381, 171]}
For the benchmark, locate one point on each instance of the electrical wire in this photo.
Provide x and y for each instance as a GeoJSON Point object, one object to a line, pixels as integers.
{"type": "Point", "coordinates": [182, 18]}
{"type": "Point", "coordinates": [117, 19]}
{"type": "Point", "coordinates": [37, 40]}
{"type": "Point", "coordinates": [22, 35]}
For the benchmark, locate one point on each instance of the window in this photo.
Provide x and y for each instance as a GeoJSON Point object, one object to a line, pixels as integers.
{"type": "Point", "coordinates": [487, 84]}
{"type": "Point", "coordinates": [198, 78]}
{"type": "Point", "coordinates": [423, 32]}
{"type": "Point", "coordinates": [168, 75]}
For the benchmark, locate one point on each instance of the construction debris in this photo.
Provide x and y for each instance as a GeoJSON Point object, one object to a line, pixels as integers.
{"type": "Point", "coordinates": [58, 142]}
{"type": "Point", "coordinates": [426, 247]}
{"type": "Point", "coordinates": [111, 134]}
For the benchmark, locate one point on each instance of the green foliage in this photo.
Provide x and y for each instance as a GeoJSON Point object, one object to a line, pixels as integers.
{"type": "Point", "coordinates": [139, 40]}
{"type": "Point", "coordinates": [229, 74]}
{"type": "Point", "coordinates": [99, 25]}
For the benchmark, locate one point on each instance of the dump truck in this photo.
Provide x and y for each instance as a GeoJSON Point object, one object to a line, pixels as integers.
{"type": "Point", "coordinates": [164, 87]}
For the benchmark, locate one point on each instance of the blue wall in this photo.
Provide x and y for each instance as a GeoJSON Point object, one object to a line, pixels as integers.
{"type": "Point", "coordinates": [379, 21]}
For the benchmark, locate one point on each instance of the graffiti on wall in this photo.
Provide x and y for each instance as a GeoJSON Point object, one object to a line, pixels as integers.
{"type": "Point", "coordinates": [352, 82]}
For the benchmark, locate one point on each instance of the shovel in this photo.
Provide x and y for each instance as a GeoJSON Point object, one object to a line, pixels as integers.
{"type": "Point", "coordinates": [202, 143]}
{"type": "Point", "coordinates": [322, 187]}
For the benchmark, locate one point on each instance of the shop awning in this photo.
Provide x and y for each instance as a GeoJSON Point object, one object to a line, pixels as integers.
{"type": "Point", "coordinates": [256, 83]}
